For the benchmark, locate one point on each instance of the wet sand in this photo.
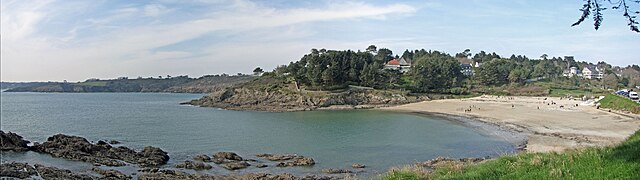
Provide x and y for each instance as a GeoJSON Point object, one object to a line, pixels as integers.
{"type": "Point", "coordinates": [549, 123]}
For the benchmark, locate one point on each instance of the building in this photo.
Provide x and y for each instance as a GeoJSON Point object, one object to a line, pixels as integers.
{"type": "Point", "coordinates": [402, 64]}
{"type": "Point", "coordinates": [466, 69]}
{"type": "Point", "coordinates": [572, 71]}
{"type": "Point", "coordinates": [477, 64]}
{"type": "Point", "coordinates": [590, 72]}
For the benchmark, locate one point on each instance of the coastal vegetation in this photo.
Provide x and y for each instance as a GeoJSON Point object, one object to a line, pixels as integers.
{"type": "Point", "coordinates": [616, 162]}
{"type": "Point", "coordinates": [180, 84]}
{"type": "Point", "coordinates": [439, 72]}
{"type": "Point", "coordinates": [615, 102]}
{"type": "Point", "coordinates": [325, 78]}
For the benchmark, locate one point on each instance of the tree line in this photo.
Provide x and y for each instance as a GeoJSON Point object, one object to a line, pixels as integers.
{"type": "Point", "coordinates": [431, 71]}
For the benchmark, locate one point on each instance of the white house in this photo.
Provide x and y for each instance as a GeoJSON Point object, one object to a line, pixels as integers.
{"type": "Point", "coordinates": [573, 71]}
{"type": "Point", "coordinates": [592, 73]}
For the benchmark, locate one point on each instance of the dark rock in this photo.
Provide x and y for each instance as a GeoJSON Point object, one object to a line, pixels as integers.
{"type": "Point", "coordinates": [12, 142]}
{"type": "Point", "coordinates": [336, 171]}
{"type": "Point", "coordinates": [17, 170]}
{"type": "Point", "coordinates": [228, 155]}
{"type": "Point", "coordinates": [289, 159]}
{"type": "Point", "coordinates": [236, 165]}
{"type": "Point", "coordinates": [152, 156]}
{"type": "Point", "coordinates": [301, 161]}
{"type": "Point", "coordinates": [171, 174]}
{"type": "Point", "coordinates": [221, 160]}
{"type": "Point", "coordinates": [194, 165]}
{"type": "Point", "coordinates": [56, 173]}
{"type": "Point", "coordinates": [202, 157]}
{"type": "Point", "coordinates": [471, 160]}
{"type": "Point", "coordinates": [78, 148]}
{"type": "Point", "coordinates": [278, 157]}
{"type": "Point", "coordinates": [111, 174]}
{"type": "Point", "coordinates": [434, 162]}
{"type": "Point", "coordinates": [114, 142]}
{"type": "Point", "coordinates": [261, 165]}
{"type": "Point", "coordinates": [356, 165]}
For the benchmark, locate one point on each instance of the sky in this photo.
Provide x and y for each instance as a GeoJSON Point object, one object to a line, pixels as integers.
{"type": "Point", "coordinates": [74, 40]}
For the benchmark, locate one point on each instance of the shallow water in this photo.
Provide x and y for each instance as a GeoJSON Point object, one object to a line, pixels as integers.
{"type": "Point", "coordinates": [335, 139]}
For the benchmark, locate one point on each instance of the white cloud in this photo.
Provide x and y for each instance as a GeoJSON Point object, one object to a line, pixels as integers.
{"type": "Point", "coordinates": [129, 50]}
{"type": "Point", "coordinates": [155, 10]}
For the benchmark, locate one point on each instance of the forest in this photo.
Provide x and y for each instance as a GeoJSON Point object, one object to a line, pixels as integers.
{"type": "Point", "coordinates": [434, 71]}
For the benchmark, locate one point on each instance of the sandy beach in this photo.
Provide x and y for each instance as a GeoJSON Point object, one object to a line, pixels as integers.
{"type": "Point", "coordinates": [549, 123]}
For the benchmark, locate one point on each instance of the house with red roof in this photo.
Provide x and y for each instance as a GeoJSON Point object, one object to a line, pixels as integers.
{"type": "Point", "coordinates": [402, 64]}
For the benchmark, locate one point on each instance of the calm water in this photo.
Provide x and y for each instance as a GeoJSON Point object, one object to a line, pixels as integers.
{"type": "Point", "coordinates": [335, 139]}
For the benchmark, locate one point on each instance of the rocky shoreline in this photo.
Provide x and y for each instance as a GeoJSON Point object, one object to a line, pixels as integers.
{"type": "Point", "coordinates": [150, 162]}
{"type": "Point", "coordinates": [243, 98]}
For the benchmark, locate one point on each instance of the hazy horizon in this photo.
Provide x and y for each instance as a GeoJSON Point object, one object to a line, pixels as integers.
{"type": "Point", "coordinates": [76, 40]}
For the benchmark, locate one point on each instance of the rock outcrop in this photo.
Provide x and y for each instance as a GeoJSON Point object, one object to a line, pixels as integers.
{"type": "Point", "coordinates": [78, 148]}
{"type": "Point", "coordinates": [111, 174]}
{"type": "Point", "coordinates": [236, 165]}
{"type": "Point", "coordinates": [279, 100]}
{"type": "Point", "coordinates": [359, 166]}
{"type": "Point", "coordinates": [57, 173]}
{"type": "Point", "coordinates": [336, 171]}
{"type": "Point", "coordinates": [194, 165]}
{"type": "Point", "coordinates": [17, 170]}
{"type": "Point", "coordinates": [154, 174]}
{"type": "Point", "coordinates": [228, 156]}
{"type": "Point", "coordinates": [288, 160]}
{"type": "Point", "coordinates": [12, 142]}
{"type": "Point", "coordinates": [202, 157]}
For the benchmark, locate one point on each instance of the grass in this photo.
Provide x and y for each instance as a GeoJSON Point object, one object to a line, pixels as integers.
{"type": "Point", "coordinates": [612, 101]}
{"type": "Point", "coordinates": [93, 83]}
{"type": "Point", "coordinates": [556, 92]}
{"type": "Point", "coordinates": [617, 162]}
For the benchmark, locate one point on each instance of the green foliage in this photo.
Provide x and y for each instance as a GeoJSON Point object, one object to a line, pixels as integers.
{"type": "Point", "coordinates": [435, 71]}
{"type": "Point", "coordinates": [616, 102]}
{"type": "Point", "coordinates": [494, 72]}
{"type": "Point", "coordinates": [619, 162]}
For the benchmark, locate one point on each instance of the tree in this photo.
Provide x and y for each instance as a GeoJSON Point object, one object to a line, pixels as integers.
{"type": "Point", "coordinates": [258, 71]}
{"type": "Point", "coordinates": [372, 49]}
{"type": "Point", "coordinates": [544, 56]}
{"type": "Point", "coordinates": [383, 56]}
{"type": "Point", "coordinates": [597, 7]}
{"type": "Point", "coordinates": [494, 72]}
{"type": "Point", "coordinates": [515, 76]}
{"type": "Point", "coordinates": [610, 81]}
{"type": "Point", "coordinates": [435, 71]}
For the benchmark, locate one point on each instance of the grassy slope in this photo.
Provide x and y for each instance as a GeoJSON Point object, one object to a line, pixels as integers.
{"type": "Point", "coordinates": [619, 162]}
{"type": "Point", "coordinates": [619, 103]}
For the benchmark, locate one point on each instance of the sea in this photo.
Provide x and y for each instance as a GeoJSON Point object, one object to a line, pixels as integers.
{"type": "Point", "coordinates": [333, 138]}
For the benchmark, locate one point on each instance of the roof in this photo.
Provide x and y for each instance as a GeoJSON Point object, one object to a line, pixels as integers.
{"type": "Point", "coordinates": [393, 62]}
{"type": "Point", "coordinates": [592, 69]}
{"type": "Point", "coordinates": [404, 62]}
